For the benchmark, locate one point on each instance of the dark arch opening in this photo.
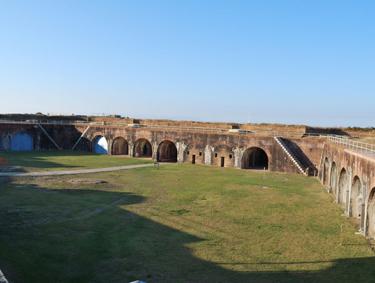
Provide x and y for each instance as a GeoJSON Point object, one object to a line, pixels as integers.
{"type": "Point", "coordinates": [356, 198]}
{"type": "Point", "coordinates": [142, 148]}
{"type": "Point", "coordinates": [120, 146]}
{"type": "Point", "coordinates": [343, 186]}
{"type": "Point", "coordinates": [325, 171]}
{"type": "Point", "coordinates": [333, 178]}
{"type": "Point", "coordinates": [167, 152]}
{"type": "Point", "coordinates": [255, 158]}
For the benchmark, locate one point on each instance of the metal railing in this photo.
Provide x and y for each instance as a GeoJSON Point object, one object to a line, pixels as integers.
{"type": "Point", "coordinates": [352, 144]}
{"type": "Point", "coordinates": [347, 142]}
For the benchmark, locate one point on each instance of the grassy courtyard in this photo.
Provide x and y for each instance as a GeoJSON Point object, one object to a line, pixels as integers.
{"type": "Point", "coordinates": [63, 160]}
{"type": "Point", "coordinates": [179, 223]}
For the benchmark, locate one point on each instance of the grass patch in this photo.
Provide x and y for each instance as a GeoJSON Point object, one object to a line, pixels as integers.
{"type": "Point", "coordinates": [180, 223]}
{"type": "Point", "coordinates": [63, 160]}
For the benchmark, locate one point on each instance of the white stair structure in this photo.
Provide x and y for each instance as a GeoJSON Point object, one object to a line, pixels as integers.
{"type": "Point", "coordinates": [291, 156]}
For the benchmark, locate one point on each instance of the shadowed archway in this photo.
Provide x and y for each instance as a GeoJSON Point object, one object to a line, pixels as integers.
{"type": "Point", "coordinates": [167, 152]}
{"type": "Point", "coordinates": [120, 146]}
{"type": "Point", "coordinates": [343, 187]}
{"type": "Point", "coordinates": [356, 198]}
{"type": "Point", "coordinates": [254, 158]}
{"type": "Point", "coordinates": [326, 171]}
{"type": "Point", "coordinates": [142, 148]}
{"type": "Point", "coordinates": [333, 178]}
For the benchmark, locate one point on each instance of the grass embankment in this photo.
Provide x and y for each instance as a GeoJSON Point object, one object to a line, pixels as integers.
{"type": "Point", "coordinates": [181, 223]}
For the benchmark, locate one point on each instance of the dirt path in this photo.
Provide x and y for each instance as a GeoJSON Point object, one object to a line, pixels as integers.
{"type": "Point", "coordinates": [72, 172]}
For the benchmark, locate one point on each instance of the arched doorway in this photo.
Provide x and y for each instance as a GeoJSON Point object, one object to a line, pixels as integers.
{"type": "Point", "coordinates": [255, 158]}
{"type": "Point", "coordinates": [142, 148]}
{"type": "Point", "coordinates": [371, 215]}
{"type": "Point", "coordinates": [326, 171]}
{"type": "Point", "coordinates": [21, 142]}
{"type": "Point", "coordinates": [343, 187]}
{"type": "Point", "coordinates": [120, 146]}
{"type": "Point", "coordinates": [356, 198]}
{"type": "Point", "coordinates": [100, 145]}
{"type": "Point", "coordinates": [167, 152]}
{"type": "Point", "coordinates": [333, 178]}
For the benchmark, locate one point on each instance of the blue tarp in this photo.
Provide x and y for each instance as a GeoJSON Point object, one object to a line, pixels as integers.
{"type": "Point", "coordinates": [100, 145]}
{"type": "Point", "coordinates": [21, 142]}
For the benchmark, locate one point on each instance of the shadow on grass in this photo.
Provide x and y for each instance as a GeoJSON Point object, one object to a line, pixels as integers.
{"type": "Point", "coordinates": [38, 159]}
{"type": "Point", "coordinates": [90, 235]}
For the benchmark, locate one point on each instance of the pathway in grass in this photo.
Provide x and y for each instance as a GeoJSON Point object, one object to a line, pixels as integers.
{"type": "Point", "coordinates": [73, 172]}
{"type": "Point", "coordinates": [179, 223]}
{"type": "Point", "coordinates": [63, 160]}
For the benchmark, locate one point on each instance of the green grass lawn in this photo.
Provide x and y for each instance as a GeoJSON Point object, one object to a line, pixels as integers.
{"type": "Point", "coordinates": [65, 160]}
{"type": "Point", "coordinates": [181, 223]}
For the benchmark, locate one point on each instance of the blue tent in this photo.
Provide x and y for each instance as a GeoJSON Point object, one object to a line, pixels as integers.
{"type": "Point", "coordinates": [21, 142]}
{"type": "Point", "coordinates": [100, 145]}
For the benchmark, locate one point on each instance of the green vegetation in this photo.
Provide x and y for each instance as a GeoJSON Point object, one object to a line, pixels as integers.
{"type": "Point", "coordinates": [64, 160]}
{"type": "Point", "coordinates": [179, 223]}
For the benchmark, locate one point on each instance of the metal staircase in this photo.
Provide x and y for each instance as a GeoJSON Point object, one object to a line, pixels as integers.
{"type": "Point", "coordinates": [291, 156]}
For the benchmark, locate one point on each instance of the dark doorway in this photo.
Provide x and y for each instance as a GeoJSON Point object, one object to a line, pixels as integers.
{"type": "Point", "coordinates": [142, 148]}
{"type": "Point", "coordinates": [222, 161]}
{"type": "Point", "coordinates": [326, 172]}
{"type": "Point", "coordinates": [193, 159]}
{"type": "Point", "coordinates": [167, 152]}
{"type": "Point", "coordinates": [255, 158]}
{"type": "Point", "coordinates": [119, 146]}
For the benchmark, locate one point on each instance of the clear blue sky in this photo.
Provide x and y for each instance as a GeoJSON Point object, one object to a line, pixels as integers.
{"type": "Point", "coordinates": [310, 62]}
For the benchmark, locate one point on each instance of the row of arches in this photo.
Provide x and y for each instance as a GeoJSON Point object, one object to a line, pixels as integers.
{"type": "Point", "coordinates": [167, 150]}
{"type": "Point", "coordinates": [252, 158]}
{"type": "Point", "coordinates": [351, 195]}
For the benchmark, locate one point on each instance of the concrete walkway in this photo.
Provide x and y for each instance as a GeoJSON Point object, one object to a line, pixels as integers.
{"type": "Point", "coordinates": [73, 172]}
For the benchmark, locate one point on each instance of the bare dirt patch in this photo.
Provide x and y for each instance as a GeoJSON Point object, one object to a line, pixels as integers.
{"type": "Point", "coordinates": [86, 181]}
